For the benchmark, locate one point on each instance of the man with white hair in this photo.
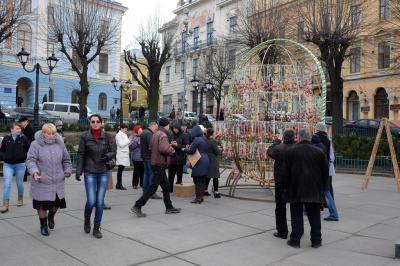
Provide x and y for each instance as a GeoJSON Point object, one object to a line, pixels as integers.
{"type": "Point", "coordinates": [304, 177]}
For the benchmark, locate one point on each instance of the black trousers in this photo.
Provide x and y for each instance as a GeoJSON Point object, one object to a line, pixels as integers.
{"type": "Point", "coordinates": [172, 170]}
{"type": "Point", "coordinates": [314, 217]}
{"type": "Point", "coordinates": [280, 211]}
{"type": "Point", "coordinates": [215, 184]}
{"type": "Point", "coordinates": [138, 173]}
{"type": "Point", "coordinates": [159, 179]}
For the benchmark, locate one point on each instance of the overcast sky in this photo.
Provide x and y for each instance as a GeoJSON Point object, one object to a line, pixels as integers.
{"type": "Point", "coordinates": [139, 11]}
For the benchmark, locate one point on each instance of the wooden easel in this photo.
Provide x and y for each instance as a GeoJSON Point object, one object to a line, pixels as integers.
{"type": "Point", "coordinates": [384, 123]}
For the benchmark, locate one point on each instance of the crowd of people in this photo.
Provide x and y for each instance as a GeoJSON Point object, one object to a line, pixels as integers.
{"type": "Point", "coordinates": [303, 171]}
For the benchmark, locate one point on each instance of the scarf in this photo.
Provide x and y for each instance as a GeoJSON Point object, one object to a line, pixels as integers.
{"type": "Point", "coordinates": [96, 132]}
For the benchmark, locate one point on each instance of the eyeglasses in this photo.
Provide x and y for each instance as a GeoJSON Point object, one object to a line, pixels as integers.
{"type": "Point", "coordinates": [95, 122]}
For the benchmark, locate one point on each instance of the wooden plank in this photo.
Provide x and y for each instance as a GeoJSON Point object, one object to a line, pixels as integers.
{"type": "Point", "coordinates": [393, 155]}
{"type": "Point", "coordinates": [373, 154]}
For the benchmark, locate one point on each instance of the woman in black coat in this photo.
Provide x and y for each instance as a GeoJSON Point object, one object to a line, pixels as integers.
{"type": "Point", "coordinates": [213, 152]}
{"type": "Point", "coordinates": [200, 170]}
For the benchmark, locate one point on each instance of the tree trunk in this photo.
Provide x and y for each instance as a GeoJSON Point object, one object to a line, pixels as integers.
{"type": "Point", "coordinates": [84, 92]}
{"type": "Point", "coordinates": [218, 106]}
{"type": "Point", "coordinates": [336, 93]}
{"type": "Point", "coordinates": [153, 101]}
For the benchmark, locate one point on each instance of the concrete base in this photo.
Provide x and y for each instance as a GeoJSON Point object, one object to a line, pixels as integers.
{"type": "Point", "coordinates": [397, 250]}
{"type": "Point", "coordinates": [184, 190]}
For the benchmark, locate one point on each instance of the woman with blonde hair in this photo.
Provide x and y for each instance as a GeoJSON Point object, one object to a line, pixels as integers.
{"type": "Point", "coordinates": [49, 164]}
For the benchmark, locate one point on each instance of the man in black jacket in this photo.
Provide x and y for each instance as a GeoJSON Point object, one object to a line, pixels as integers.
{"type": "Point", "coordinates": [304, 177]}
{"type": "Point", "coordinates": [320, 130]}
{"type": "Point", "coordinates": [145, 139]}
{"type": "Point", "coordinates": [277, 152]}
{"type": "Point", "coordinates": [29, 133]}
{"type": "Point", "coordinates": [178, 140]}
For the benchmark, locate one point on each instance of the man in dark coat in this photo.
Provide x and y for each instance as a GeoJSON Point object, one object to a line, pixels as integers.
{"type": "Point", "coordinates": [141, 112]}
{"type": "Point", "coordinates": [277, 152]}
{"type": "Point", "coordinates": [304, 176]}
{"type": "Point", "coordinates": [320, 130]}
{"type": "Point", "coordinates": [178, 140]}
{"type": "Point", "coordinates": [160, 149]}
{"type": "Point", "coordinates": [29, 133]}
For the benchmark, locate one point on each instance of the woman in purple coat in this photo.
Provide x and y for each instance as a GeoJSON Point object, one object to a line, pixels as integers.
{"type": "Point", "coordinates": [49, 164]}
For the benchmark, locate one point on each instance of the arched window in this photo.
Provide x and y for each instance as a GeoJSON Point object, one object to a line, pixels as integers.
{"type": "Point", "coordinates": [353, 106]}
{"type": "Point", "coordinates": [74, 96]}
{"type": "Point", "coordinates": [102, 101]}
{"type": "Point", "coordinates": [24, 38]}
{"type": "Point", "coordinates": [381, 104]}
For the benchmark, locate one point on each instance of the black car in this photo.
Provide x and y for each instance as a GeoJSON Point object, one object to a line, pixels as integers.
{"type": "Point", "coordinates": [28, 112]}
{"type": "Point", "coordinates": [369, 128]}
{"type": "Point", "coordinates": [329, 119]}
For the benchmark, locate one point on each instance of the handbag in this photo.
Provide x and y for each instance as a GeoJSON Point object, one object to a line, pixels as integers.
{"type": "Point", "coordinates": [193, 159]}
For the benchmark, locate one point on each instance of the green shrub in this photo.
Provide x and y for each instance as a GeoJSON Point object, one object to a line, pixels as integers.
{"type": "Point", "coordinates": [72, 127]}
{"type": "Point", "coordinates": [3, 127]}
{"type": "Point", "coordinates": [116, 126]}
{"type": "Point", "coordinates": [107, 127]}
{"type": "Point", "coordinates": [83, 127]}
{"type": "Point", "coordinates": [70, 147]}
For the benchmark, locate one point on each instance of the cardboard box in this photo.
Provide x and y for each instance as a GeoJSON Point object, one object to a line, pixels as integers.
{"type": "Point", "coordinates": [184, 190]}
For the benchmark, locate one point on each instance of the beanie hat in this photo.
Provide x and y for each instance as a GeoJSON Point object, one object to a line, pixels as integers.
{"type": "Point", "coordinates": [22, 119]}
{"type": "Point", "coordinates": [59, 123]}
{"type": "Point", "coordinates": [136, 128]}
{"type": "Point", "coordinates": [163, 122]}
{"type": "Point", "coordinates": [202, 128]}
{"type": "Point", "coordinates": [315, 139]}
{"type": "Point", "coordinates": [320, 126]}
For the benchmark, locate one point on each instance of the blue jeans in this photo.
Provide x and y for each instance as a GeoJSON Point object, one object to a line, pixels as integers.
{"type": "Point", "coordinates": [8, 172]}
{"type": "Point", "coordinates": [96, 187]}
{"type": "Point", "coordinates": [148, 175]}
{"type": "Point", "coordinates": [331, 205]}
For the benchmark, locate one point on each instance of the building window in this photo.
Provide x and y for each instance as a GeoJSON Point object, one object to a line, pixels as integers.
{"type": "Point", "coordinates": [195, 95]}
{"type": "Point", "coordinates": [232, 24]}
{"type": "Point", "coordinates": [384, 55]}
{"type": "Point", "coordinates": [196, 38]}
{"type": "Point", "coordinates": [353, 106]}
{"type": "Point", "coordinates": [103, 63]}
{"type": "Point", "coordinates": [26, 6]}
{"type": "Point", "coordinates": [381, 104]}
{"type": "Point", "coordinates": [134, 95]}
{"type": "Point", "coordinates": [50, 15]}
{"type": "Point", "coordinates": [74, 96]}
{"type": "Point", "coordinates": [384, 9]}
{"type": "Point", "coordinates": [356, 16]}
{"type": "Point", "coordinates": [195, 66]}
{"type": "Point", "coordinates": [184, 40]}
{"type": "Point", "coordinates": [134, 75]}
{"type": "Point", "coordinates": [282, 32]}
{"type": "Point", "coordinates": [76, 60]}
{"type": "Point", "coordinates": [231, 59]}
{"type": "Point", "coordinates": [167, 103]}
{"type": "Point", "coordinates": [210, 29]}
{"type": "Point", "coordinates": [300, 31]}
{"type": "Point", "coordinates": [355, 60]}
{"type": "Point", "coordinates": [167, 74]}
{"type": "Point", "coordinates": [51, 49]}
{"type": "Point", "coordinates": [24, 38]}
{"type": "Point", "coordinates": [208, 63]}
{"type": "Point", "coordinates": [102, 101]}
{"type": "Point", "coordinates": [183, 70]}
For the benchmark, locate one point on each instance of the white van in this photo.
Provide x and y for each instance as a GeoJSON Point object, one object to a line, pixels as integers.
{"type": "Point", "coordinates": [64, 110]}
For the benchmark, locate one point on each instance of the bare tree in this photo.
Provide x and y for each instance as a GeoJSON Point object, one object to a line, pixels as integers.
{"type": "Point", "coordinates": [219, 70]}
{"type": "Point", "coordinates": [128, 96]}
{"type": "Point", "coordinates": [333, 26]}
{"type": "Point", "coordinates": [260, 21]}
{"type": "Point", "coordinates": [156, 50]}
{"type": "Point", "coordinates": [83, 28]}
{"type": "Point", "coordinates": [10, 15]}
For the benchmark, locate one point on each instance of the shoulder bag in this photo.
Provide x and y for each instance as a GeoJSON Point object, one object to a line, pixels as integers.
{"type": "Point", "coordinates": [193, 159]}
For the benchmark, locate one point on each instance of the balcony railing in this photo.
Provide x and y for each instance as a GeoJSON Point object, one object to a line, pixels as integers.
{"type": "Point", "coordinates": [190, 48]}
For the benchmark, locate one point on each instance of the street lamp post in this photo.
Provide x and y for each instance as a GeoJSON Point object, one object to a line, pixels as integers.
{"type": "Point", "coordinates": [51, 63]}
{"type": "Point", "coordinates": [121, 88]}
{"type": "Point", "coordinates": [207, 87]}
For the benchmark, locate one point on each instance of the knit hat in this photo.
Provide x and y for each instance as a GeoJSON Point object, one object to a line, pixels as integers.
{"type": "Point", "coordinates": [163, 122]}
{"type": "Point", "coordinates": [136, 128]}
{"type": "Point", "coordinates": [183, 124]}
{"type": "Point", "coordinates": [202, 128]}
{"type": "Point", "coordinates": [59, 123]}
{"type": "Point", "coordinates": [23, 118]}
{"type": "Point", "coordinates": [315, 139]}
{"type": "Point", "coordinates": [320, 126]}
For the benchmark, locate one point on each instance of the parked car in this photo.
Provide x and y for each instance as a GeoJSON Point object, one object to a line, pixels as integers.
{"type": "Point", "coordinates": [210, 117]}
{"type": "Point", "coordinates": [8, 112]}
{"type": "Point", "coordinates": [190, 116]}
{"type": "Point", "coordinates": [64, 110]}
{"type": "Point", "coordinates": [239, 117]}
{"type": "Point", "coordinates": [28, 112]}
{"type": "Point", "coordinates": [329, 119]}
{"type": "Point", "coordinates": [369, 128]}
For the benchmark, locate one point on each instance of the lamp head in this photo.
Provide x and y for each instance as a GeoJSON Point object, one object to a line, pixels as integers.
{"type": "Point", "coordinates": [128, 83]}
{"type": "Point", "coordinates": [195, 82]}
{"type": "Point", "coordinates": [209, 85]}
{"type": "Point", "coordinates": [23, 56]}
{"type": "Point", "coordinates": [52, 61]}
{"type": "Point", "coordinates": [114, 82]}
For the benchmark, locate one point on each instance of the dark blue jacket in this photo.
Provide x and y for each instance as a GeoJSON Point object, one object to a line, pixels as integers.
{"type": "Point", "coordinates": [182, 139]}
{"type": "Point", "coordinates": [199, 142]}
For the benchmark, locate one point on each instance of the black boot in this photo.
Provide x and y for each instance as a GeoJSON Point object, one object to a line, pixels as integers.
{"type": "Point", "coordinates": [198, 196]}
{"type": "Point", "coordinates": [96, 231]}
{"type": "Point", "coordinates": [119, 182]}
{"type": "Point", "coordinates": [43, 226]}
{"type": "Point", "coordinates": [86, 226]}
{"type": "Point", "coordinates": [50, 218]}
